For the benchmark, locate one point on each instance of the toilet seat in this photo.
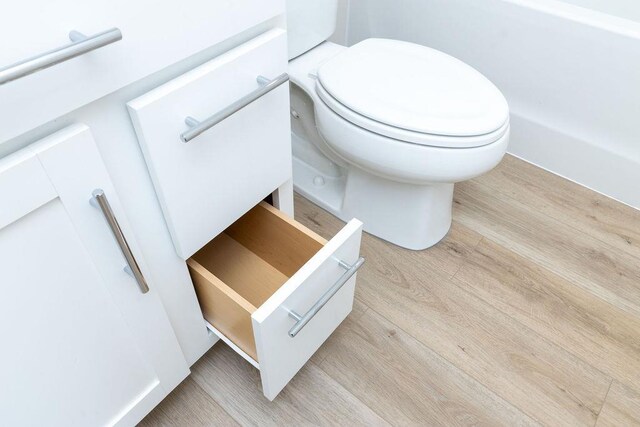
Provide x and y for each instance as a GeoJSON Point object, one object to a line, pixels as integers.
{"type": "Point", "coordinates": [414, 94]}
{"type": "Point", "coordinates": [407, 135]}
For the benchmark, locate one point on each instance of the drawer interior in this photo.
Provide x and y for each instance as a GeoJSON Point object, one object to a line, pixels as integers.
{"type": "Point", "coordinates": [241, 268]}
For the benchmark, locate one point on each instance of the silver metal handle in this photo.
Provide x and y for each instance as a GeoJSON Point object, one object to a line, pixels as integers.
{"type": "Point", "coordinates": [80, 45]}
{"type": "Point", "coordinates": [198, 127]}
{"type": "Point", "coordinates": [132, 266]}
{"type": "Point", "coordinates": [301, 321]}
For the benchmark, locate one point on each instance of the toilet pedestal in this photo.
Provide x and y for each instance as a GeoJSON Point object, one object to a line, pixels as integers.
{"type": "Point", "coordinates": [412, 216]}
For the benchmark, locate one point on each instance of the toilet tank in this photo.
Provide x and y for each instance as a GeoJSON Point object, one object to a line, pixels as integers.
{"type": "Point", "coordinates": [309, 23]}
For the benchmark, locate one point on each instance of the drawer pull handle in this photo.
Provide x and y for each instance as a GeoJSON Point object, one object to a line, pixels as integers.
{"type": "Point", "coordinates": [132, 267]}
{"type": "Point", "coordinates": [301, 321]}
{"type": "Point", "coordinates": [80, 44]}
{"type": "Point", "coordinates": [198, 127]}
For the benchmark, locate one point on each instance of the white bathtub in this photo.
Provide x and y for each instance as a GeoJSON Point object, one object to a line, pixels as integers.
{"type": "Point", "coordinates": [569, 69]}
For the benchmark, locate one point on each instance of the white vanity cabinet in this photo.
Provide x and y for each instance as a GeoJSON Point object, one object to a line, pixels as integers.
{"type": "Point", "coordinates": [83, 343]}
{"type": "Point", "coordinates": [186, 105]}
{"type": "Point", "coordinates": [52, 77]}
{"type": "Point", "coordinates": [217, 141]}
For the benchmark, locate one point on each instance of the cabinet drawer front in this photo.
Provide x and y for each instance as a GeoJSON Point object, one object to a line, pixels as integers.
{"type": "Point", "coordinates": [280, 355]}
{"type": "Point", "coordinates": [206, 184]}
{"type": "Point", "coordinates": [275, 291]}
{"type": "Point", "coordinates": [154, 36]}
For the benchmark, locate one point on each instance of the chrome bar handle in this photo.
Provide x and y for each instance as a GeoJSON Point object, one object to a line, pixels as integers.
{"type": "Point", "coordinates": [301, 321]}
{"type": "Point", "coordinates": [133, 268]}
{"type": "Point", "coordinates": [198, 127]}
{"type": "Point", "coordinates": [80, 44]}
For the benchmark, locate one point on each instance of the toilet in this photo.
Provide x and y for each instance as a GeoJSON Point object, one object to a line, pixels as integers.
{"type": "Point", "coordinates": [383, 130]}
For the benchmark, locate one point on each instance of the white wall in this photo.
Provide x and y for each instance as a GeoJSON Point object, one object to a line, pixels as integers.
{"type": "Point", "coordinates": [573, 88]}
{"type": "Point", "coordinates": [341, 36]}
{"type": "Point", "coordinates": [629, 9]}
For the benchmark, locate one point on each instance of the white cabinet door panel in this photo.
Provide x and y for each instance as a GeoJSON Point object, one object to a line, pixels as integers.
{"type": "Point", "coordinates": [74, 185]}
{"type": "Point", "coordinates": [68, 357]}
{"type": "Point", "coordinates": [33, 191]}
{"type": "Point", "coordinates": [74, 350]}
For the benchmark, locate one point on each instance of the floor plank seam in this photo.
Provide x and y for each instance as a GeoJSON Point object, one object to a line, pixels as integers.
{"type": "Point", "coordinates": [547, 271]}
{"type": "Point", "coordinates": [559, 220]}
{"type": "Point", "coordinates": [486, 386]}
{"type": "Point", "coordinates": [461, 371]}
{"type": "Point", "coordinates": [464, 259]}
{"type": "Point", "coordinates": [354, 396]}
{"type": "Point", "coordinates": [606, 396]}
{"type": "Point", "coordinates": [214, 399]}
{"type": "Point", "coordinates": [627, 306]}
{"type": "Point", "coordinates": [318, 363]}
{"type": "Point", "coordinates": [542, 337]}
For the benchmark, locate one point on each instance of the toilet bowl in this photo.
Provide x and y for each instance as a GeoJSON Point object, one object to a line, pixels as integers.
{"type": "Point", "coordinates": [384, 129]}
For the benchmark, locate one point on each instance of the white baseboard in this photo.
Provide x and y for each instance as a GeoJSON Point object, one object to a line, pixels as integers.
{"type": "Point", "coordinates": [580, 161]}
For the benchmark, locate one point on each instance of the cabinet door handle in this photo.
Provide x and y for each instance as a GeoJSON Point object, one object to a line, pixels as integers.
{"type": "Point", "coordinates": [301, 321]}
{"type": "Point", "coordinates": [103, 203]}
{"type": "Point", "coordinates": [198, 127]}
{"type": "Point", "coordinates": [80, 44]}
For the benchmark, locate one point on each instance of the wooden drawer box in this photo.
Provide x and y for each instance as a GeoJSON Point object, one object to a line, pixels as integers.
{"type": "Point", "coordinates": [258, 279]}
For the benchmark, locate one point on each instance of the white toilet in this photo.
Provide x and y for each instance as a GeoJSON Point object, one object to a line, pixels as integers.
{"type": "Point", "coordinates": [383, 129]}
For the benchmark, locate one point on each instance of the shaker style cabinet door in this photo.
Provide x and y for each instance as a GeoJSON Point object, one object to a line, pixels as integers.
{"type": "Point", "coordinates": [82, 345]}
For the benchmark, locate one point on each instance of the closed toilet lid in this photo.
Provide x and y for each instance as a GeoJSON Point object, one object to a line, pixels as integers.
{"type": "Point", "coordinates": [404, 89]}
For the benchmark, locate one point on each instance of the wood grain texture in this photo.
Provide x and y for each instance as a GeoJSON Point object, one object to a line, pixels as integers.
{"type": "Point", "coordinates": [188, 405]}
{"type": "Point", "coordinates": [573, 318]}
{"type": "Point", "coordinates": [412, 385]}
{"type": "Point", "coordinates": [312, 397]}
{"type": "Point", "coordinates": [606, 271]}
{"type": "Point", "coordinates": [541, 379]}
{"type": "Point", "coordinates": [224, 308]}
{"type": "Point", "coordinates": [358, 311]}
{"type": "Point", "coordinates": [240, 269]}
{"type": "Point", "coordinates": [525, 313]}
{"type": "Point", "coordinates": [622, 407]}
{"type": "Point", "coordinates": [599, 216]}
{"type": "Point", "coordinates": [276, 238]}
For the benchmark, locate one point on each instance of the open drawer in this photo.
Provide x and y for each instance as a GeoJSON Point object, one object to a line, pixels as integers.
{"type": "Point", "coordinates": [275, 291]}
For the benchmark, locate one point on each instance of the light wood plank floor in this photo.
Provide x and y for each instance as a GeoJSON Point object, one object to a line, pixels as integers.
{"type": "Point", "coordinates": [527, 313]}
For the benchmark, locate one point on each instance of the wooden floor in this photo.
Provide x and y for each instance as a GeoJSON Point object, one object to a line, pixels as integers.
{"type": "Point", "coordinates": [527, 313]}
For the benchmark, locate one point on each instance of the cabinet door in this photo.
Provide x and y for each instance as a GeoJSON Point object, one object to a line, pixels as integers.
{"type": "Point", "coordinates": [82, 345]}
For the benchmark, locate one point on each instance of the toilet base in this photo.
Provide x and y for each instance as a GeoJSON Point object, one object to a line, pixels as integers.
{"type": "Point", "coordinates": [408, 215]}
{"type": "Point", "coordinates": [411, 216]}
